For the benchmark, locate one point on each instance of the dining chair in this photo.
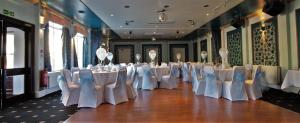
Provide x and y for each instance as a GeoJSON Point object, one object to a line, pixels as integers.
{"type": "Point", "coordinates": [169, 81]}
{"type": "Point", "coordinates": [91, 95]}
{"type": "Point", "coordinates": [213, 86]}
{"type": "Point", "coordinates": [235, 90]}
{"type": "Point", "coordinates": [138, 81]}
{"type": "Point", "coordinates": [69, 92]}
{"type": "Point", "coordinates": [131, 91]}
{"type": "Point", "coordinates": [185, 72]}
{"type": "Point", "coordinates": [198, 81]}
{"type": "Point", "coordinates": [149, 79]}
{"type": "Point", "coordinates": [253, 88]}
{"type": "Point", "coordinates": [116, 93]}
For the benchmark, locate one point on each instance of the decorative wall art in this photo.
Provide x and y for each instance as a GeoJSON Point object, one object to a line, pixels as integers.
{"type": "Point", "coordinates": [265, 43]}
{"type": "Point", "coordinates": [124, 54]}
{"type": "Point", "coordinates": [235, 47]}
{"type": "Point", "coordinates": [182, 49]}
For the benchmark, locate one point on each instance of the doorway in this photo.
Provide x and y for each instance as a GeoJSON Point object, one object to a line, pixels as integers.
{"type": "Point", "coordinates": [16, 60]}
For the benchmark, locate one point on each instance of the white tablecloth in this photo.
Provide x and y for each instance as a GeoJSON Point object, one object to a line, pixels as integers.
{"type": "Point", "coordinates": [224, 74]}
{"type": "Point", "coordinates": [101, 78]}
{"type": "Point", "coordinates": [157, 71]}
{"type": "Point", "coordinates": [292, 78]}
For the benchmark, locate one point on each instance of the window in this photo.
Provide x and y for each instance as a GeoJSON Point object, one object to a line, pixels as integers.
{"type": "Point", "coordinates": [55, 46]}
{"type": "Point", "coordinates": [78, 40]}
{"type": "Point", "coordinates": [10, 50]}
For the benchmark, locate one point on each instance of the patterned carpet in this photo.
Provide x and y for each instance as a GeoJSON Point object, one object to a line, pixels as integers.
{"type": "Point", "coordinates": [286, 100]}
{"type": "Point", "coordinates": [47, 109]}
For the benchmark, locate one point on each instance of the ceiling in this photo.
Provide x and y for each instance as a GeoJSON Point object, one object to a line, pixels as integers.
{"type": "Point", "coordinates": [71, 9]}
{"type": "Point", "coordinates": [144, 15]}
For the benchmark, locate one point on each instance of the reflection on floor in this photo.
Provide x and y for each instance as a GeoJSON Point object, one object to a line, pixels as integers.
{"type": "Point", "coordinates": [181, 105]}
{"type": "Point", "coordinates": [44, 110]}
{"type": "Point", "coordinates": [160, 105]}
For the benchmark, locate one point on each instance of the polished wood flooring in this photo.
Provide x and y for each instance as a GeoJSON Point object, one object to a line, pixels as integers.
{"type": "Point", "coordinates": [182, 106]}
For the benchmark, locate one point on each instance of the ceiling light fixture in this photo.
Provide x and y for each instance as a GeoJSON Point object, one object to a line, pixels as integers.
{"type": "Point", "coordinates": [207, 14]}
{"type": "Point", "coordinates": [162, 17]}
{"type": "Point", "coordinates": [153, 38]}
{"type": "Point", "coordinates": [126, 6]}
{"type": "Point", "coordinates": [205, 6]}
{"type": "Point", "coordinates": [81, 11]}
{"type": "Point", "coordinates": [121, 26]}
{"type": "Point", "coordinates": [112, 15]}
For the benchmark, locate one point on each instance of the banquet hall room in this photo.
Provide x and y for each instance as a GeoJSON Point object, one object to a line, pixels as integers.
{"type": "Point", "coordinates": [149, 61]}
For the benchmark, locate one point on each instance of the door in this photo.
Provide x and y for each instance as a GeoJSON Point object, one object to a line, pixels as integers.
{"type": "Point", "coordinates": [15, 62]}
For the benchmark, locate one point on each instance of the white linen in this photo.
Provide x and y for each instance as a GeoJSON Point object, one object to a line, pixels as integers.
{"type": "Point", "coordinates": [213, 86]}
{"type": "Point", "coordinates": [198, 81]}
{"type": "Point", "coordinates": [149, 79]}
{"type": "Point", "coordinates": [69, 92]}
{"type": "Point", "coordinates": [116, 93]}
{"type": "Point", "coordinates": [91, 95]}
{"type": "Point", "coordinates": [292, 78]}
{"type": "Point", "coordinates": [160, 71]}
{"type": "Point", "coordinates": [137, 84]}
{"type": "Point", "coordinates": [185, 72]}
{"type": "Point", "coordinates": [224, 74]}
{"type": "Point", "coordinates": [253, 88]}
{"type": "Point", "coordinates": [101, 78]}
{"type": "Point", "coordinates": [235, 90]}
{"type": "Point", "coordinates": [169, 81]}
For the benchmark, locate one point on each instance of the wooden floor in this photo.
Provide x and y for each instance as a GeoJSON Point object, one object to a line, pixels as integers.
{"type": "Point", "coordinates": [181, 105]}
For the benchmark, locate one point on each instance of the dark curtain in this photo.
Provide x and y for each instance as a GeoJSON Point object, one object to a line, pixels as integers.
{"type": "Point", "coordinates": [75, 59]}
{"type": "Point", "coordinates": [95, 43]}
{"type": "Point", "coordinates": [216, 44]}
{"type": "Point", "coordinates": [66, 38]}
{"type": "Point", "coordinates": [47, 60]}
{"type": "Point", "coordinates": [86, 46]}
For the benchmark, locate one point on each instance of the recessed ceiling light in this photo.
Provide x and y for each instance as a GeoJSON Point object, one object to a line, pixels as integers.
{"type": "Point", "coordinates": [81, 11]}
{"type": "Point", "coordinates": [112, 15]}
{"type": "Point", "coordinates": [154, 32]}
{"type": "Point", "coordinates": [206, 6]}
{"type": "Point", "coordinates": [121, 26]}
{"type": "Point", "coordinates": [207, 14]}
{"type": "Point", "coordinates": [126, 6]}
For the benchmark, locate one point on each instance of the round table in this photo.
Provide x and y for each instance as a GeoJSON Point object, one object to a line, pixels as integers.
{"type": "Point", "coordinates": [100, 77]}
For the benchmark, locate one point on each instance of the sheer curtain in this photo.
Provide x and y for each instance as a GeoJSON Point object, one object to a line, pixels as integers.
{"type": "Point", "coordinates": [47, 60]}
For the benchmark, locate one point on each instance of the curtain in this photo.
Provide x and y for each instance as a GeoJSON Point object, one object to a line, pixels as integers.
{"type": "Point", "coordinates": [47, 60]}
{"type": "Point", "coordinates": [66, 38]}
{"type": "Point", "coordinates": [75, 59]}
{"type": "Point", "coordinates": [95, 43]}
{"type": "Point", "coordinates": [86, 46]}
{"type": "Point", "coordinates": [216, 44]}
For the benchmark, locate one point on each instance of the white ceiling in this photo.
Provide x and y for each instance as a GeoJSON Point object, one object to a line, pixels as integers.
{"type": "Point", "coordinates": [143, 12]}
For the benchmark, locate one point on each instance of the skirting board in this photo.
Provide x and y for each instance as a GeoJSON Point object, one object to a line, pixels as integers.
{"type": "Point", "coordinates": [45, 92]}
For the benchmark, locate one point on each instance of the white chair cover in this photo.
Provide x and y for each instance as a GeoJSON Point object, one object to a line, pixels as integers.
{"type": "Point", "coordinates": [91, 95]}
{"type": "Point", "coordinates": [198, 82]}
{"type": "Point", "coordinates": [185, 72]}
{"type": "Point", "coordinates": [248, 72]}
{"type": "Point", "coordinates": [170, 81]}
{"type": "Point", "coordinates": [235, 90]}
{"type": "Point", "coordinates": [138, 81]}
{"type": "Point", "coordinates": [213, 87]}
{"type": "Point", "coordinates": [253, 87]}
{"type": "Point", "coordinates": [68, 75]}
{"type": "Point", "coordinates": [131, 92]}
{"type": "Point", "coordinates": [163, 64]}
{"type": "Point", "coordinates": [74, 69]}
{"type": "Point", "coordinates": [149, 79]}
{"type": "Point", "coordinates": [69, 94]}
{"type": "Point", "coordinates": [116, 93]}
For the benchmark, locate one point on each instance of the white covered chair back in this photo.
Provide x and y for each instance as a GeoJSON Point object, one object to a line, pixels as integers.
{"type": "Point", "coordinates": [88, 92]}
{"type": "Point", "coordinates": [148, 81]}
{"type": "Point", "coordinates": [64, 88]}
{"type": "Point", "coordinates": [212, 88]}
{"type": "Point", "coordinates": [185, 72]}
{"type": "Point", "coordinates": [67, 75]}
{"type": "Point", "coordinates": [238, 90]}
